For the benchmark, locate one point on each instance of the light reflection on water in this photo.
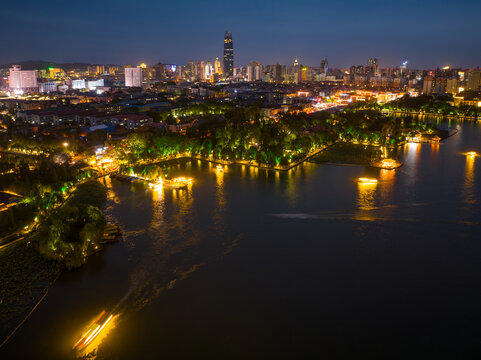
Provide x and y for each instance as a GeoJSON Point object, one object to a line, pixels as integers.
{"type": "Point", "coordinates": [412, 152]}
{"type": "Point", "coordinates": [366, 200]}
{"type": "Point", "coordinates": [468, 188]}
{"type": "Point", "coordinates": [185, 231]}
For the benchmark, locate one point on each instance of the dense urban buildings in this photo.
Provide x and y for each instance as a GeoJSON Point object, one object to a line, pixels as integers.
{"type": "Point", "coordinates": [197, 199]}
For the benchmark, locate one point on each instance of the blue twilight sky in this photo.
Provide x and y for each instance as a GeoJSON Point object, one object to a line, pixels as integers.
{"type": "Point", "coordinates": [428, 33]}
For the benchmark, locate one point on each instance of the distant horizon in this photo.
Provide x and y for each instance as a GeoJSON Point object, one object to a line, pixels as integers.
{"type": "Point", "coordinates": [429, 34]}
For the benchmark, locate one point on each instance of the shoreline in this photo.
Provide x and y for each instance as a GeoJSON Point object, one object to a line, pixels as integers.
{"type": "Point", "coordinates": [446, 116]}
{"type": "Point", "coordinates": [25, 282]}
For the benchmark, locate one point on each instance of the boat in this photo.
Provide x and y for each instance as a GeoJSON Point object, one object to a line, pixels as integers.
{"type": "Point", "coordinates": [177, 183]}
{"type": "Point", "coordinates": [93, 330]}
{"type": "Point", "coordinates": [471, 153]}
{"type": "Point", "coordinates": [219, 168]}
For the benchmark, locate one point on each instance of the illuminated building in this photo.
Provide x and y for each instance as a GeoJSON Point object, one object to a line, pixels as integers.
{"type": "Point", "coordinates": [190, 71]}
{"type": "Point", "coordinates": [254, 71]}
{"type": "Point", "coordinates": [372, 67]}
{"type": "Point", "coordinates": [22, 80]}
{"type": "Point", "coordinates": [428, 85]}
{"type": "Point", "coordinates": [403, 68]}
{"type": "Point", "coordinates": [113, 70]}
{"type": "Point", "coordinates": [440, 85]}
{"type": "Point", "coordinates": [94, 84]}
{"type": "Point", "coordinates": [474, 80]}
{"type": "Point", "coordinates": [201, 70]}
{"type": "Point", "coordinates": [55, 72]}
{"type": "Point", "coordinates": [48, 87]}
{"type": "Point", "coordinates": [297, 72]}
{"type": "Point", "coordinates": [96, 70]}
{"type": "Point", "coordinates": [208, 71]}
{"type": "Point", "coordinates": [133, 77]}
{"type": "Point", "coordinates": [228, 60]}
{"type": "Point", "coordinates": [217, 67]}
{"type": "Point", "coordinates": [78, 84]}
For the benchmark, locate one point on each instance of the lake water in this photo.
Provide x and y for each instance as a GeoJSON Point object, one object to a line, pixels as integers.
{"type": "Point", "coordinates": [305, 264]}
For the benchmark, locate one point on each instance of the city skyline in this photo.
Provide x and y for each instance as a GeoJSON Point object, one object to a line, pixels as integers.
{"type": "Point", "coordinates": [272, 34]}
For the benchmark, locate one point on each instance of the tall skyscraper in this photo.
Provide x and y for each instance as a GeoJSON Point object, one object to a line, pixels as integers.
{"type": "Point", "coordinates": [474, 79]}
{"type": "Point", "coordinates": [372, 68]}
{"type": "Point", "coordinates": [133, 77]}
{"type": "Point", "coordinates": [324, 66]}
{"type": "Point", "coordinates": [228, 61]}
{"type": "Point", "coordinates": [201, 70]}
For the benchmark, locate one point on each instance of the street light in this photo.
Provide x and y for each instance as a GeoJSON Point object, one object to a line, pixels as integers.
{"type": "Point", "coordinates": [65, 144]}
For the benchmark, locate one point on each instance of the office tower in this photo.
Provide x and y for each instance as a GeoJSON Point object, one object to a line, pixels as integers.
{"type": "Point", "coordinates": [324, 66]}
{"type": "Point", "coordinates": [372, 67]}
{"type": "Point", "coordinates": [277, 72]}
{"type": "Point", "coordinates": [190, 71]}
{"type": "Point", "coordinates": [440, 85]}
{"type": "Point", "coordinates": [217, 67]}
{"type": "Point", "coordinates": [201, 70]}
{"type": "Point", "coordinates": [258, 74]}
{"type": "Point", "coordinates": [428, 85]}
{"type": "Point", "coordinates": [403, 68]}
{"type": "Point", "coordinates": [474, 79]}
{"type": "Point", "coordinates": [133, 77]}
{"type": "Point", "coordinates": [228, 61]}
{"type": "Point", "coordinates": [22, 80]}
{"type": "Point", "coordinates": [250, 73]}
{"type": "Point", "coordinates": [208, 71]}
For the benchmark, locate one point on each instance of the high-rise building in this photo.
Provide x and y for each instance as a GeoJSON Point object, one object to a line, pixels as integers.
{"type": "Point", "coordinates": [208, 71]}
{"type": "Point", "coordinates": [201, 70]}
{"type": "Point", "coordinates": [474, 79]}
{"type": "Point", "coordinates": [428, 85]}
{"type": "Point", "coordinates": [452, 86]}
{"type": "Point", "coordinates": [372, 68]}
{"type": "Point", "coordinates": [217, 67]}
{"type": "Point", "coordinates": [190, 71]}
{"type": "Point", "coordinates": [324, 66]}
{"type": "Point", "coordinates": [277, 73]}
{"type": "Point", "coordinates": [22, 80]}
{"type": "Point", "coordinates": [403, 68]}
{"type": "Point", "coordinates": [133, 77]}
{"type": "Point", "coordinates": [228, 60]}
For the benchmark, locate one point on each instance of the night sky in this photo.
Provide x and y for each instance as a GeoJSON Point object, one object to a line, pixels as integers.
{"type": "Point", "coordinates": [428, 33]}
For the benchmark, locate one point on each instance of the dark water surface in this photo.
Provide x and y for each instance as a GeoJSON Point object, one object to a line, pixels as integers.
{"type": "Point", "coordinates": [307, 264]}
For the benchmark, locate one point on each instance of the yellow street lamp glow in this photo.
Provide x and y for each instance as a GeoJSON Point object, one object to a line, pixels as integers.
{"type": "Point", "coordinates": [471, 153]}
{"type": "Point", "coordinates": [65, 144]}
